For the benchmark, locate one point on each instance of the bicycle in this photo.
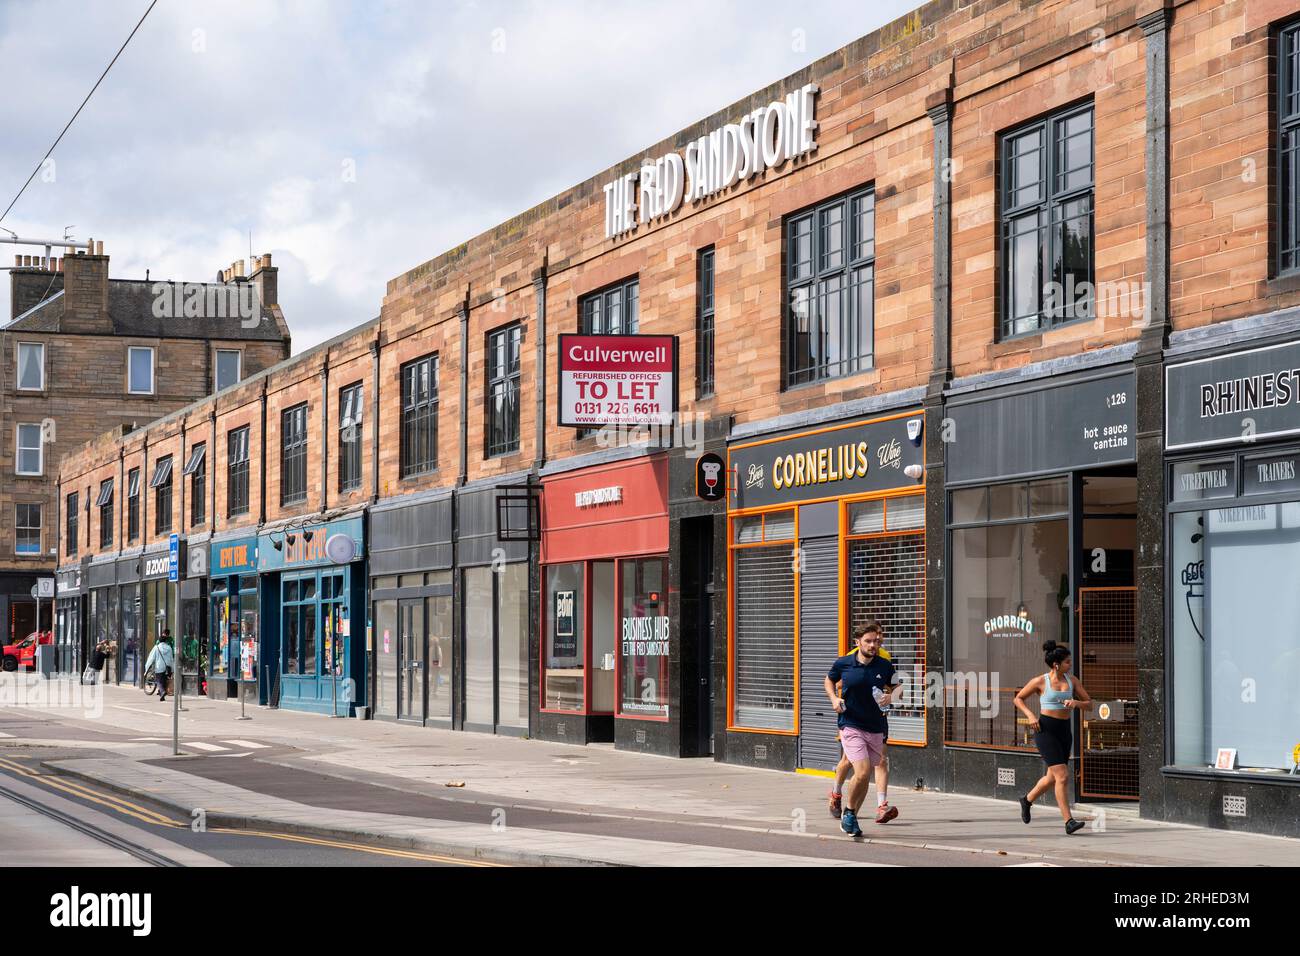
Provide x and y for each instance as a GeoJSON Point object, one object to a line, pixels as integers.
{"type": "Point", "coordinates": [150, 682]}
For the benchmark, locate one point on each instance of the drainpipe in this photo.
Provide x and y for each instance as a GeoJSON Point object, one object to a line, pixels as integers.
{"type": "Point", "coordinates": [212, 460]}
{"type": "Point", "coordinates": [463, 311]}
{"type": "Point", "coordinates": [261, 504]}
{"type": "Point", "coordinates": [325, 435]}
{"type": "Point", "coordinates": [374, 427]}
{"type": "Point", "coordinates": [539, 371]}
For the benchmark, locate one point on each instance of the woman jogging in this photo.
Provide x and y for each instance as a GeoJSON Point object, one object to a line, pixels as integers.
{"type": "Point", "coordinates": [1059, 694]}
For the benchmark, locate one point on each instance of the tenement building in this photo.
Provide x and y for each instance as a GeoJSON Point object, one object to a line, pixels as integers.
{"type": "Point", "coordinates": [84, 353]}
{"type": "Point", "coordinates": [983, 326]}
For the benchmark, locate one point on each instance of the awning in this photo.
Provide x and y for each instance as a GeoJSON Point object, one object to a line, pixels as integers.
{"type": "Point", "coordinates": [196, 459]}
{"type": "Point", "coordinates": [161, 472]}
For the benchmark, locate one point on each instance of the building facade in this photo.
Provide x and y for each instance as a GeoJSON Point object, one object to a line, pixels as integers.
{"type": "Point", "coordinates": [85, 353]}
{"type": "Point", "coordinates": [988, 318]}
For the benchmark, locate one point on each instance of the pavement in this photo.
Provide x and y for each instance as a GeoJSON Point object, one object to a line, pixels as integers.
{"type": "Point", "coordinates": [511, 800]}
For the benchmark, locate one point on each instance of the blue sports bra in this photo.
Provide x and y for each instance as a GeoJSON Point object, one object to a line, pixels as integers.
{"type": "Point", "coordinates": [1055, 699]}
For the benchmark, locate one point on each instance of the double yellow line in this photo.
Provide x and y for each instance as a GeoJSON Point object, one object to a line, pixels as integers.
{"type": "Point", "coordinates": [145, 815]}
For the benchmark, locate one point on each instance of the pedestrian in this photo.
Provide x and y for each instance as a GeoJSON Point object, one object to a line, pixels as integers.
{"type": "Point", "coordinates": [866, 683]}
{"type": "Point", "coordinates": [96, 666]}
{"type": "Point", "coordinates": [1059, 693]}
{"type": "Point", "coordinates": [162, 659]}
{"type": "Point", "coordinates": [844, 768]}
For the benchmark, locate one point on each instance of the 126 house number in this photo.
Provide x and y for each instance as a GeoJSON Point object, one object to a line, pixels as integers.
{"type": "Point", "coordinates": [1119, 398]}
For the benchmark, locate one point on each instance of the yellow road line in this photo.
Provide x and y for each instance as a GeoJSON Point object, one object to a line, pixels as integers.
{"type": "Point", "coordinates": [361, 847]}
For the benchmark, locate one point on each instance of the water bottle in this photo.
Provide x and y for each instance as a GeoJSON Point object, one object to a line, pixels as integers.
{"type": "Point", "coordinates": [877, 693]}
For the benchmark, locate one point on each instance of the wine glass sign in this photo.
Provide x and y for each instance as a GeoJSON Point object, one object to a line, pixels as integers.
{"type": "Point", "coordinates": [710, 477]}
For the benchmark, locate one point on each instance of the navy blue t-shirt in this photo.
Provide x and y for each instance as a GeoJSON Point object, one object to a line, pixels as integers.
{"type": "Point", "coordinates": [858, 679]}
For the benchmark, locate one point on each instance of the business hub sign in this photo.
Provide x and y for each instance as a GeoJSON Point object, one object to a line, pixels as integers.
{"type": "Point", "coordinates": [762, 140]}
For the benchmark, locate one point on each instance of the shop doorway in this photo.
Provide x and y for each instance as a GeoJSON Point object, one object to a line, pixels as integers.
{"type": "Point", "coordinates": [697, 625]}
{"type": "Point", "coordinates": [1107, 636]}
{"type": "Point", "coordinates": [410, 660]}
{"type": "Point", "coordinates": [819, 646]}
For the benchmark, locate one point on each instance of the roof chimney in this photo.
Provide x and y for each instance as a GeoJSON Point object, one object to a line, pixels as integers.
{"type": "Point", "coordinates": [266, 279]}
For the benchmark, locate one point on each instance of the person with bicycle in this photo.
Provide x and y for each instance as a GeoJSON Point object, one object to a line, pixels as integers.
{"type": "Point", "coordinates": [162, 659]}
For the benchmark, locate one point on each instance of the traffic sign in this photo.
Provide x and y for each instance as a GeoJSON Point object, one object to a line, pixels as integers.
{"type": "Point", "coordinates": [174, 558]}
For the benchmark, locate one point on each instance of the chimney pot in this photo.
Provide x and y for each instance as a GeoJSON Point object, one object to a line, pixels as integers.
{"type": "Point", "coordinates": [90, 247]}
{"type": "Point", "coordinates": [18, 261]}
{"type": "Point", "coordinates": [99, 248]}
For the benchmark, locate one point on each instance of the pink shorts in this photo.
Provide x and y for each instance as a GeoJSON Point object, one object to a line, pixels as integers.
{"type": "Point", "coordinates": [860, 745]}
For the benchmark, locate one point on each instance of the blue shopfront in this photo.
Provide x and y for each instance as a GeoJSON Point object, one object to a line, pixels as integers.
{"type": "Point", "coordinates": [313, 616]}
{"type": "Point", "coordinates": [234, 650]}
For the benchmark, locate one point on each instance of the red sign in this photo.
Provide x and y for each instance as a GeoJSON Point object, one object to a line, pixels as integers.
{"type": "Point", "coordinates": [617, 380]}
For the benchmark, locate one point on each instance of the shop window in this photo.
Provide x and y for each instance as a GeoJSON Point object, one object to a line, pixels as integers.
{"type": "Point", "coordinates": [105, 504]}
{"type": "Point", "coordinates": [512, 645]}
{"type": "Point", "coordinates": [704, 312]}
{"type": "Point", "coordinates": [503, 372]}
{"type": "Point", "coordinates": [351, 408]}
{"type": "Point", "coordinates": [1046, 223]}
{"type": "Point", "coordinates": [28, 529]}
{"type": "Point", "coordinates": [133, 504]}
{"type": "Point", "coordinates": [763, 638]}
{"type": "Point", "coordinates": [1288, 140]}
{"type": "Point", "coordinates": [830, 288]}
{"type": "Point", "coordinates": [31, 366]}
{"type": "Point", "coordinates": [30, 459]}
{"type": "Point", "coordinates": [293, 455]}
{"type": "Point", "coordinates": [1010, 590]}
{"type": "Point", "coordinates": [420, 416]}
{"type": "Point", "coordinates": [564, 680]}
{"type": "Point", "coordinates": [237, 472]}
{"type": "Point", "coordinates": [70, 526]}
{"type": "Point", "coordinates": [161, 483]}
{"type": "Point", "coordinates": [867, 517]}
{"type": "Point", "coordinates": [644, 638]}
{"type": "Point", "coordinates": [300, 616]}
{"type": "Point", "coordinates": [197, 469]}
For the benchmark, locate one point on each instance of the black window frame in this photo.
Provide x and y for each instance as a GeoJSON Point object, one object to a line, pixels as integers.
{"type": "Point", "coordinates": [105, 513]}
{"type": "Point", "coordinates": [1287, 123]}
{"type": "Point", "coordinates": [595, 307]}
{"type": "Point", "coordinates": [501, 434]}
{"type": "Point", "coordinates": [133, 504]}
{"type": "Point", "coordinates": [351, 433]}
{"type": "Point", "coordinates": [1049, 210]}
{"type": "Point", "coordinates": [705, 306]}
{"type": "Point", "coordinates": [419, 448]}
{"type": "Point", "coordinates": [802, 276]}
{"type": "Point", "coordinates": [293, 455]}
{"type": "Point", "coordinates": [237, 453]}
{"type": "Point", "coordinates": [70, 528]}
{"type": "Point", "coordinates": [163, 516]}
{"type": "Point", "coordinates": [197, 469]}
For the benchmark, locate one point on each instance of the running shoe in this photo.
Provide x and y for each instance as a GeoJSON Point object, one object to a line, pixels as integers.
{"type": "Point", "coordinates": [885, 813]}
{"type": "Point", "coordinates": [849, 824]}
{"type": "Point", "coordinates": [1073, 826]}
{"type": "Point", "coordinates": [1024, 809]}
{"type": "Point", "coordinates": [836, 804]}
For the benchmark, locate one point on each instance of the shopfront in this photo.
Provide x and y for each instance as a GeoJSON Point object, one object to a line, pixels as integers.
{"type": "Point", "coordinates": [131, 629]}
{"type": "Point", "coordinates": [312, 582]}
{"type": "Point", "coordinates": [414, 660]}
{"type": "Point", "coordinates": [103, 614]}
{"type": "Point", "coordinates": [234, 646]}
{"type": "Point", "coordinates": [157, 607]}
{"type": "Point", "coordinates": [1042, 530]}
{"type": "Point", "coordinates": [826, 529]}
{"type": "Point", "coordinates": [607, 635]}
{"type": "Point", "coordinates": [1232, 667]}
{"type": "Point", "coordinates": [68, 625]}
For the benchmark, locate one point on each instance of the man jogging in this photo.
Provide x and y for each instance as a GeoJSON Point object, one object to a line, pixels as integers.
{"type": "Point", "coordinates": [844, 768]}
{"type": "Point", "coordinates": [866, 683]}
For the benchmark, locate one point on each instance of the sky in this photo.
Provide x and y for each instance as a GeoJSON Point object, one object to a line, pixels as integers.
{"type": "Point", "coordinates": [356, 140]}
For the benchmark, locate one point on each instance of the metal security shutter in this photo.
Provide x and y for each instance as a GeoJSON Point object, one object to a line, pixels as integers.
{"type": "Point", "coordinates": [764, 638]}
{"type": "Point", "coordinates": [819, 645]}
{"type": "Point", "coordinates": [887, 582]}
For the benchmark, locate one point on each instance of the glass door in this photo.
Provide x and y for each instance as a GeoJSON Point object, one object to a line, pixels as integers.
{"type": "Point", "coordinates": [386, 655]}
{"type": "Point", "coordinates": [604, 621]}
{"type": "Point", "coordinates": [411, 671]}
{"type": "Point", "coordinates": [480, 650]}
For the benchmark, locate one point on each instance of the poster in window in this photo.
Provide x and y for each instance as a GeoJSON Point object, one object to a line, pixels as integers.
{"type": "Point", "coordinates": [566, 644]}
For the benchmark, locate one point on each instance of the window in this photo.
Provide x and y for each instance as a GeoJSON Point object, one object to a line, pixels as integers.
{"type": "Point", "coordinates": [704, 324]}
{"type": "Point", "coordinates": [830, 282]}
{"type": "Point", "coordinates": [140, 371]}
{"type": "Point", "coordinates": [28, 525]}
{"type": "Point", "coordinates": [351, 407]}
{"type": "Point", "coordinates": [643, 638]}
{"type": "Point", "coordinates": [1010, 565]}
{"type": "Point", "coordinates": [1288, 117]}
{"type": "Point", "coordinates": [237, 471]}
{"type": "Point", "coordinates": [197, 469]}
{"type": "Point", "coordinates": [564, 666]}
{"type": "Point", "coordinates": [420, 416]}
{"type": "Point", "coordinates": [161, 482]}
{"type": "Point", "coordinates": [31, 451]}
{"type": "Point", "coordinates": [503, 390]}
{"type": "Point", "coordinates": [31, 367]}
{"type": "Point", "coordinates": [133, 504]}
{"type": "Point", "coordinates": [70, 527]}
{"type": "Point", "coordinates": [293, 455]}
{"type": "Point", "coordinates": [105, 505]}
{"type": "Point", "coordinates": [615, 310]}
{"type": "Point", "coordinates": [1046, 223]}
{"type": "Point", "coordinates": [229, 367]}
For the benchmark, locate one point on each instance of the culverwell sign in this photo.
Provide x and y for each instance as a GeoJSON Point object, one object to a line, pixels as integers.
{"type": "Point", "coordinates": [617, 380]}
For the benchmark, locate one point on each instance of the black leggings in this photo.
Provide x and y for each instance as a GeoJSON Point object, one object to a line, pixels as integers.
{"type": "Point", "coordinates": [1054, 740]}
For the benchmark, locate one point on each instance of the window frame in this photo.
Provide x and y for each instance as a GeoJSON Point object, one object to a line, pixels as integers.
{"type": "Point", "coordinates": [628, 290]}
{"type": "Point", "coordinates": [198, 484]}
{"type": "Point", "coordinates": [71, 527]}
{"type": "Point", "coordinates": [705, 321]}
{"type": "Point", "coordinates": [18, 365]}
{"type": "Point", "coordinates": [19, 448]}
{"type": "Point", "coordinates": [350, 452]}
{"type": "Point", "coordinates": [162, 516]}
{"type": "Point", "coordinates": [153, 370]}
{"type": "Point", "coordinates": [1049, 210]}
{"type": "Point", "coordinates": [19, 528]}
{"type": "Point", "coordinates": [1288, 199]}
{"type": "Point", "coordinates": [133, 504]}
{"type": "Point", "coordinates": [293, 455]}
{"type": "Point", "coordinates": [854, 260]}
{"type": "Point", "coordinates": [509, 376]}
{"type": "Point", "coordinates": [216, 368]}
{"type": "Point", "coordinates": [106, 514]}
{"type": "Point", "coordinates": [419, 413]}
{"type": "Point", "coordinates": [237, 471]}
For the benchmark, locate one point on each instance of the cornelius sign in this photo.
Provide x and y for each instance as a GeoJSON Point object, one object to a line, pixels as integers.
{"type": "Point", "coordinates": [618, 380]}
{"type": "Point", "coordinates": [763, 139]}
